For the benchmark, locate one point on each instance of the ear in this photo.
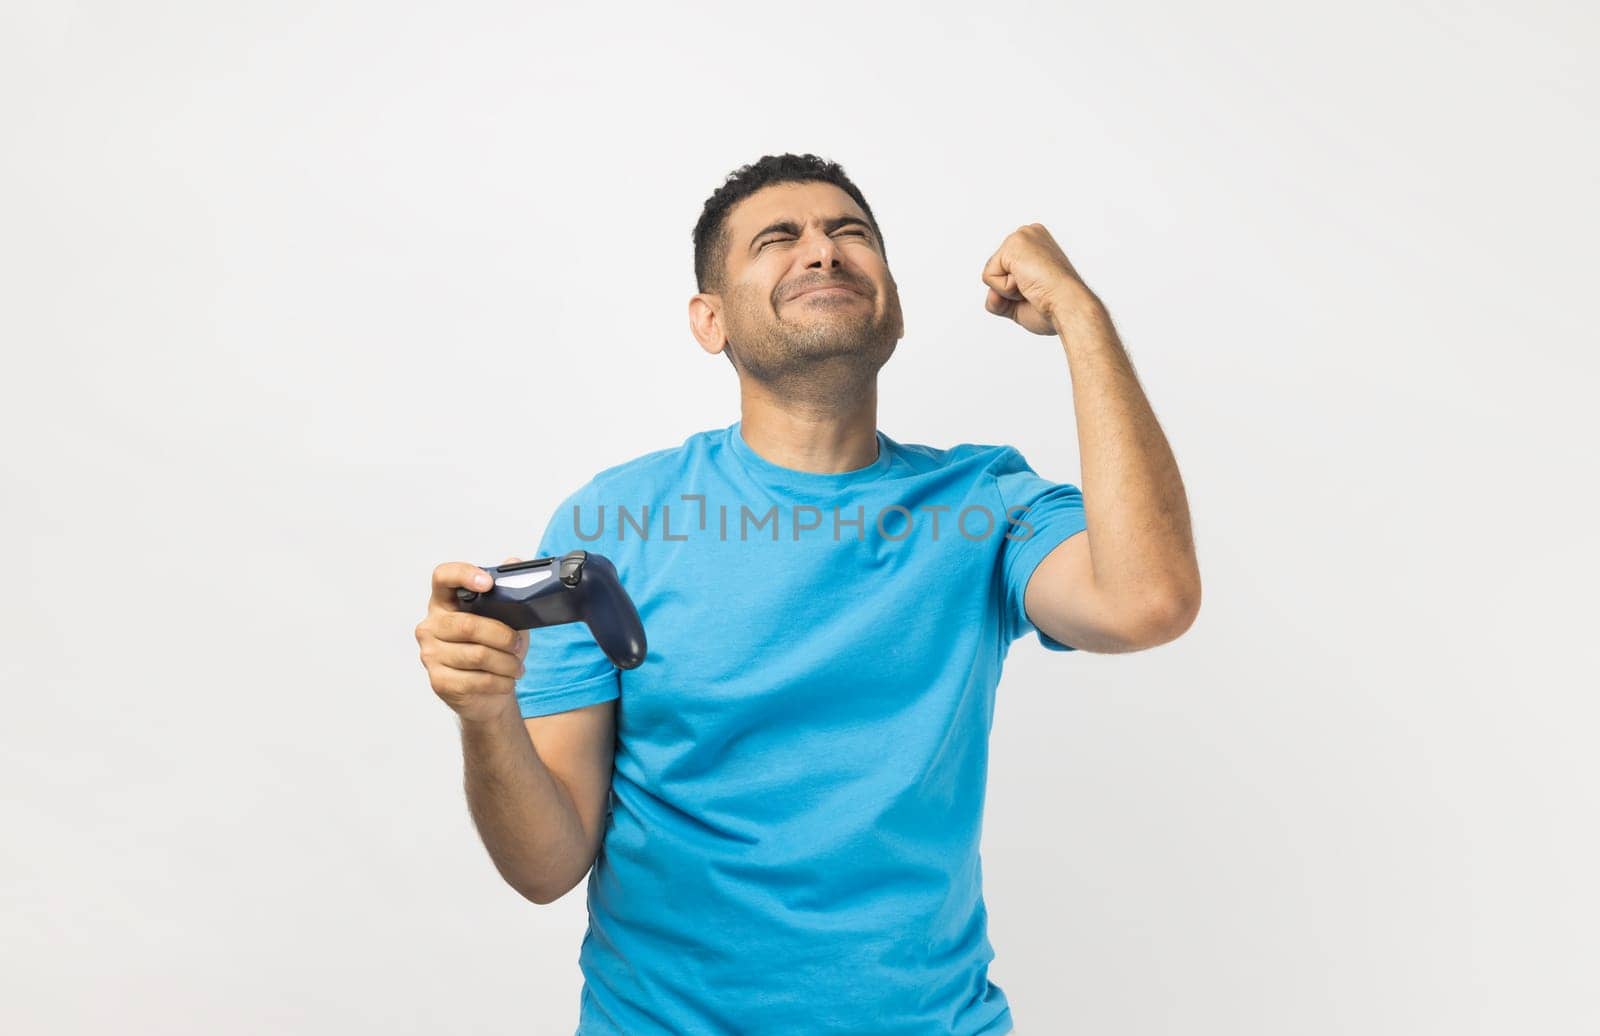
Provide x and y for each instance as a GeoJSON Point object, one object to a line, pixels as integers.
{"type": "Point", "coordinates": [899, 311]}
{"type": "Point", "coordinates": [705, 322]}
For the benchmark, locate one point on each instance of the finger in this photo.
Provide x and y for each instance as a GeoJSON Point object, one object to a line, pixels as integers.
{"type": "Point", "coordinates": [996, 276]}
{"type": "Point", "coordinates": [990, 265]}
{"type": "Point", "coordinates": [512, 560]}
{"type": "Point", "coordinates": [467, 682]}
{"type": "Point", "coordinates": [1007, 288]}
{"type": "Point", "coordinates": [999, 277]}
{"type": "Point", "coordinates": [1003, 285]}
{"type": "Point", "coordinates": [466, 628]}
{"type": "Point", "coordinates": [476, 658]}
{"type": "Point", "coordinates": [451, 574]}
{"type": "Point", "coordinates": [997, 305]}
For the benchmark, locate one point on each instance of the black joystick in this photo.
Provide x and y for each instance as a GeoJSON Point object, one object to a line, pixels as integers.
{"type": "Point", "coordinates": [578, 585]}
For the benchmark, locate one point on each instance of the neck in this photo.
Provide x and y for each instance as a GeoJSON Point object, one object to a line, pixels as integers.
{"type": "Point", "coordinates": [807, 436]}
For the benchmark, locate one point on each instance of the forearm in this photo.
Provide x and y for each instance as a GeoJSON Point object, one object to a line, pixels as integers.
{"type": "Point", "coordinates": [526, 819]}
{"type": "Point", "coordinates": [1134, 502]}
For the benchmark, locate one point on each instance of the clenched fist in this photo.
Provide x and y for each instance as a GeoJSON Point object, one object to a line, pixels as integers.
{"type": "Point", "coordinates": [1031, 280]}
{"type": "Point", "coordinates": [473, 662]}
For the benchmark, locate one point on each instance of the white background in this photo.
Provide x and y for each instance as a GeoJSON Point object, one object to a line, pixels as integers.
{"type": "Point", "coordinates": [301, 299]}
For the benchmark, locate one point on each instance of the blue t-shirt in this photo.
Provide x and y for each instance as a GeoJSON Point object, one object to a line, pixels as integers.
{"type": "Point", "coordinates": [792, 842]}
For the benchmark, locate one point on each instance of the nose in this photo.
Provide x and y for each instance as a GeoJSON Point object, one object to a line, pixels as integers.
{"type": "Point", "coordinates": [822, 252]}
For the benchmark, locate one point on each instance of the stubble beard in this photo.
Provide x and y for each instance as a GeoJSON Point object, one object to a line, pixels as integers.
{"type": "Point", "coordinates": [815, 359]}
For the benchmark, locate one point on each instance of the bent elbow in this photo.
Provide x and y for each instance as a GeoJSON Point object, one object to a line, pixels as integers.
{"type": "Point", "coordinates": [1182, 613]}
{"type": "Point", "coordinates": [1168, 620]}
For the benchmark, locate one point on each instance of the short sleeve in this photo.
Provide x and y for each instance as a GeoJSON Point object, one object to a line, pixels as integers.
{"type": "Point", "coordinates": [1039, 516]}
{"type": "Point", "coordinates": [564, 668]}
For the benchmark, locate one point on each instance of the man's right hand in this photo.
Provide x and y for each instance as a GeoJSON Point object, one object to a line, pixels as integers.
{"type": "Point", "coordinates": [473, 662]}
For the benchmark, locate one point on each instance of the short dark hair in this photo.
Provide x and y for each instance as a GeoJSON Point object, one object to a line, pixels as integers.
{"type": "Point", "coordinates": [711, 231]}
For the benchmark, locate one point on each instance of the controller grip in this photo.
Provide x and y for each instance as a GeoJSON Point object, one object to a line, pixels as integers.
{"type": "Point", "coordinates": [610, 615]}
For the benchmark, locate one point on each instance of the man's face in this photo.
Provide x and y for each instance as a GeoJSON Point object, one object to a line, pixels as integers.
{"type": "Point", "coordinates": [807, 292]}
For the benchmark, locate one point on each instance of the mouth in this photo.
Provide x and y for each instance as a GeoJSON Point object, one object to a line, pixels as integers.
{"type": "Point", "coordinates": [825, 289]}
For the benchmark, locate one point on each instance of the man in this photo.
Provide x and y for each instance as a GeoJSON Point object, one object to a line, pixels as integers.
{"type": "Point", "coordinates": [779, 810]}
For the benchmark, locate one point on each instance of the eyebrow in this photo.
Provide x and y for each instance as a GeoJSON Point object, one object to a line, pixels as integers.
{"type": "Point", "coordinates": [789, 226]}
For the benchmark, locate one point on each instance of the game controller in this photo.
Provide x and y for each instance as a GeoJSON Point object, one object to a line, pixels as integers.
{"type": "Point", "coordinates": [578, 585]}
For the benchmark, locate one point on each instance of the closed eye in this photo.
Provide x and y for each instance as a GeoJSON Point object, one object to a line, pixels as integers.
{"type": "Point", "coordinates": [786, 237]}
